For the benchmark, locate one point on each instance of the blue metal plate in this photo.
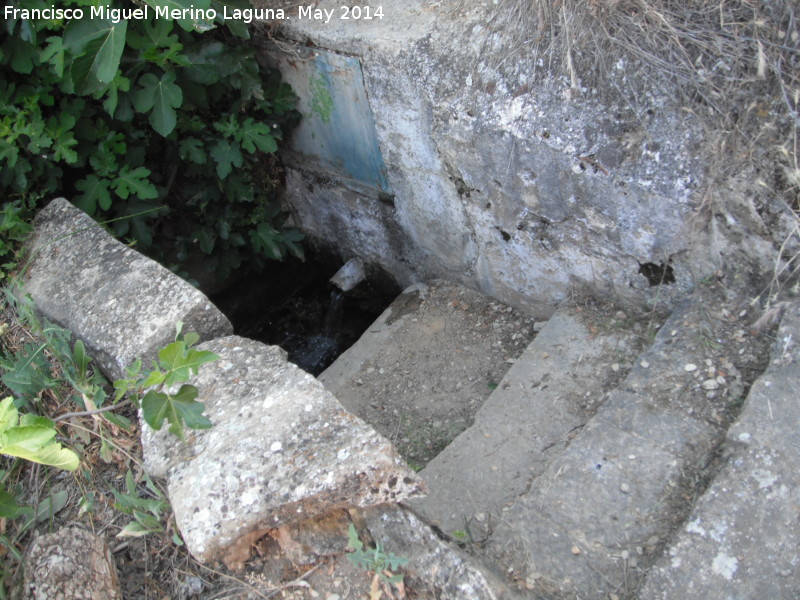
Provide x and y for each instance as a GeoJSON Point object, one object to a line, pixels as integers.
{"type": "Point", "coordinates": [337, 132]}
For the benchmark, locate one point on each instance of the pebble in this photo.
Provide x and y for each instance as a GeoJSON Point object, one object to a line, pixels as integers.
{"type": "Point", "coordinates": [615, 367]}
{"type": "Point", "coordinates": [710, 384]}
{"type": "Point", "coordinates": [624, 488]}
{"type": "Point", "coordinates": [690, 367]}
{"type": "Point", "coordinates": [575, 550]}
{"type": "Point", "coordinates": [644, 364]}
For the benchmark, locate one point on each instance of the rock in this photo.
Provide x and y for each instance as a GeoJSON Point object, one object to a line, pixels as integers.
{"type": "Point", "coordinates": [122, 305]}
{"type": "Point", "coordinates": [281, 450]}
{"type": "Point", "coordinates": [70, 564]}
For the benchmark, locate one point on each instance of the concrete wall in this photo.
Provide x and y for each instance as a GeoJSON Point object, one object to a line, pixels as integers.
{"type": "Point", "coordinates": [523, 188]}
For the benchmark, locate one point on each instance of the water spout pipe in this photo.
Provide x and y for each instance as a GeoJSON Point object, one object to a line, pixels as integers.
{"type": "Point", "coordinates": [350, 275]}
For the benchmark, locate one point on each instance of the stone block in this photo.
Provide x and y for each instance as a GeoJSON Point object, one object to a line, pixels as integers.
{"type": "Point", "coordinates": [281, 450]}
{"type": "Point", "coordinates": [122, 304]}
{"type": "Point", "coordinates": [70, 564]}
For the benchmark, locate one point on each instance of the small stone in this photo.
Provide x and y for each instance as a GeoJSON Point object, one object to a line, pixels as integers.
{"type": "Point", "coordinates": [710, 384]}
{"type": "Point", "coordinates": [480, 517]}
{"type": "Point", "coordinates": [575, 550]}
{"type": "Point", "coordinates": [624, 488]}
{"type": "Point", "coordinates": [333, 597]}
{"type": "Point", "coordinates": [615, 367]}
{"type": "Point", "coordinates": [644, 364]}
{"type": "Point", "coordinates": [690, 367]}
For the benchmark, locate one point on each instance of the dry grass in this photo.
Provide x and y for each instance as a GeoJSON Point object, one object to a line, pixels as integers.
{"type": "Point", "coordinates": [732, 64]}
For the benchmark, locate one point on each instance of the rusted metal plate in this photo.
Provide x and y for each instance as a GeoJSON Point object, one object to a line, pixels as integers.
{"type": "Point", "coordinates": [337, 131]}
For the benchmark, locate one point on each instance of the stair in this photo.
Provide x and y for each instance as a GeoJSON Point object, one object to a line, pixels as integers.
{"type": "Point", "coordinates": [581, 470]}
{"type": "Point", "coordinates": [427, 364]}
{"type": "Point", "coordinates": [741, 539]}
{"type": "Point", "coordinates": [543, 401]}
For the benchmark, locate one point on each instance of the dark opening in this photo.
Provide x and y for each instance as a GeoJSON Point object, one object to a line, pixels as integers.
{"type": "Point", "coordinates": [292, 305]}
{"type": "Point", "coordinates": [657, 274]}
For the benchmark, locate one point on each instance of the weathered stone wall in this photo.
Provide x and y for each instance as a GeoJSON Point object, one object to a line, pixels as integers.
{"type": "Point", "coordinates": [525, 189]}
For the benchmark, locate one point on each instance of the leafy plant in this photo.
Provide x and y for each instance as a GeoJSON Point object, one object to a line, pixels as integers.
{"type": "Point", "coordinates": [177, 362]}
{"type": "Point", "coordinates": [32, 438]}
{"type": "Point", "coordinates": [147, 513]}
{"type": "Point", "coordinates": [148, 121]}
{"type": "Point", "coordinates": [382, 564]}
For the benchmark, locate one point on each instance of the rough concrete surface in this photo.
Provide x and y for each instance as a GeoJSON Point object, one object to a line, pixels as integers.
{"type": "Point", "coordinates": [281, 449]}
{"type": "Point", "coordinates": [545, 398]}
{"type": "Point", "coordinates": [122, 305]}
{"type": "Point", "coordinates": [424, 368]}
{"type": "Point", "coordinates": [741, 540]}
{"type": "Point", "coordinates": [597, 517]}
{"type": "Point", "coordinates": [512, 182]}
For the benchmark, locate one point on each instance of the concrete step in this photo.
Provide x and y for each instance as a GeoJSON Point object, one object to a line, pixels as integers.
{"type": "Point", "coordinates": [741, 540]}
{"type": "Point", "coordinates": [543, 401]}
{"type": "Point", "coordinates": [599, 514]}
{"type": "Point", "coordinates": [426, 366]}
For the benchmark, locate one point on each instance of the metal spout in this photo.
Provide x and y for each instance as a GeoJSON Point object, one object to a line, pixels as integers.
{"type": "Point", "coordinates": [350, 275]}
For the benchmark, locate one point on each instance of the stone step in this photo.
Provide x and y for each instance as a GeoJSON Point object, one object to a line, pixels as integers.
{"type": "Point", "coordinates": [598, 515]}
{"type": "Point", "coordinates": [742, 538]}
{"type": "Point", "coordinates": [545, 398]}
{"type": "Point", "coordinates": [426, 366]}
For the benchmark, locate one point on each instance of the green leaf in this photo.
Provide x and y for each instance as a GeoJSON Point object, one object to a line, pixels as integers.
{"type": "Point", "coordinates": [9, 509]}
{"type": "Point", "coordinates": [181, 362]}
{"type": "Point", "coordinates": [186, 24]}
{"type": "Point", "coordinates": [54, 53]}
{"type": "Point", "coordinates": [152, 34]}
{"type": "Point", "coordinates": [99, 40]}
{"type": "Point", "coordinates": [192, 150]}
{"type": "Point", "coordinates": [204, 238]}
{"type": "Point", "coordinates": [23, 55]}
{"type": "Point", "coordinates": [160, 97]}
{"type": "Point", "coordinates": [154, 378]}
{"type": "Point", "coordinates": [117, 85]}
{"type": "Point", "coordinates": [32, 439]}
{"type": "Point", "coordinates": [203, 62]}
{"type": "Point", "coordinates": [257, 136]}
{"type": "Point", "coordinates": [178, 409]}
{"type": "Point", "coordinates": [226, 153]}
{"type": "Point", "coordinates": [265, 239]}
{"type": "Point", "coordinates": [54, 455]}
{"type": "Point", "coordinates": [134, 182]}
{"type": "Point", "coordinates": [81, 359]}
{"type": "Point", "coordinates": [29, 373]}
{"type": "Point", "coordinates": [52, 505]}
{"type": "Point", "coordinates": [95, 191]}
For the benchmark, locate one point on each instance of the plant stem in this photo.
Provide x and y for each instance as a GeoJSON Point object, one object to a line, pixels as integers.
{"type": "Point", "coordinates": [88, 413]}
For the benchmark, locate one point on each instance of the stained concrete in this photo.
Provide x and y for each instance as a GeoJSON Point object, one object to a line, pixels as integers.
{"type": "Point", "coordinates": [123, 305]}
